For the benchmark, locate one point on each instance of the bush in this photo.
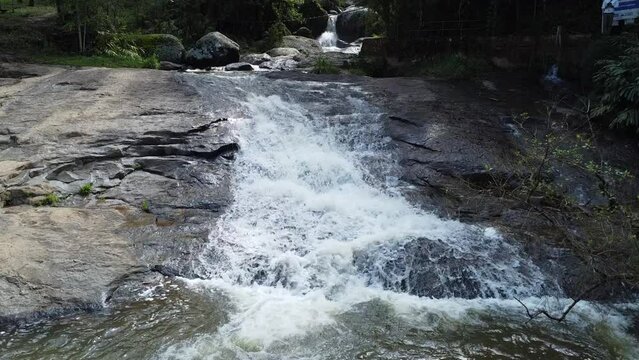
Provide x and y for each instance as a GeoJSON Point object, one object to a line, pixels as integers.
{"type": "Point", "coordinates": [324, 66]}
{"type": "Point", "coordinates": [166, 47]}
{"type": "Point", "coordinates": [275, 34]}
{"type": "Point", "coordinates": [606, 48]}
{"type": "Point", "coordinates": [453, 66]}
{"type": "Point", "coordinates": [617, 83]}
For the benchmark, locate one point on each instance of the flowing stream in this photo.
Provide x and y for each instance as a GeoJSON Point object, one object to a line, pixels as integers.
{"type": "Point", "coordinates": [320, 257]}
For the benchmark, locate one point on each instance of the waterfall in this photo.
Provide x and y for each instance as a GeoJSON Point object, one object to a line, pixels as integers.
{"type": "Point", "coordinates": [329, 38]}
{"type": "Point", "coordinates": [319, 230]}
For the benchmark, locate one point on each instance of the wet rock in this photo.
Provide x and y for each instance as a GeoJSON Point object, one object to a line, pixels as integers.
{"type": "Point", "coordinates": [169, 66]}
{"type": "Point", "coordinates": [282, 63]}
{"type": "Point", "coordinates": [241, 66]}
{"type": "Point", "coordinates": [255, 59]}
{"type": "Point", "coordinates": [57, 260]}
{"type": "Point", "coordinates": [213, 49]}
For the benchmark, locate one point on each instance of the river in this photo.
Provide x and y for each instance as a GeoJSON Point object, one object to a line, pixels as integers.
{"type": "Point", "coordinates": [321, 257]}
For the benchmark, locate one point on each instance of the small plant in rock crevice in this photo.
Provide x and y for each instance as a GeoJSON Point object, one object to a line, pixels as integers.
{"type": "Point", "coordinates": [86, 189]}
{"type": "Point", "coordinates": [145, 206]}
{"type": "Point", "coordinates": [324, 66]}
{"type": "Point", "coordinates": [50, 200]}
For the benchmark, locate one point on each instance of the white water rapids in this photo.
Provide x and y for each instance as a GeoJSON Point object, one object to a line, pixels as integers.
{"type": "Point", "coordinates": [303, 252]}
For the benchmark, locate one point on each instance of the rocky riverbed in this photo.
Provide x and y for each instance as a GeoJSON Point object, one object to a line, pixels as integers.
{"type": "Point", "coordinates": [158, 155]}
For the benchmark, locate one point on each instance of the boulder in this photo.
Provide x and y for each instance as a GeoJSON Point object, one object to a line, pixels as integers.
{"type": "Point", "coordinates": [306, 46]}
{"type": "Point", "coordinates": [315, 17]}
{"type": "Point", "coordinates": [165, 46]}
{"type": "Point", "coordinates": [374, 46]}
{"type": "Point", "coordinates": [240, 66]}
{"type": "Point", "coordinates": [351, 24]}
{"type": "Point", "coordinates": [255, 59]}
{"type": "Point", "coordinates": [170, 66]}
{"type": "Point", "coordinates": [304, 32]}
{"type": "Point", "coordinates": [283, 51]}
{"type": "Point", "coordinates": [213, 49]}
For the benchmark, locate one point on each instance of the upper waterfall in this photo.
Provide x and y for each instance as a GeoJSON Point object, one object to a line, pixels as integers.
{"type": "Point", "coordinates": [329, 38]}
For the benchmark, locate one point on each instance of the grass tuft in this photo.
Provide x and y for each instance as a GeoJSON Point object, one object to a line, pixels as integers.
{"type": "Point", "coordinates": [86, 189]}
{"type": "Point", "coordinates": [145, 206]}
{"type": "Point", "coordinates": [98, 61]}
{"type": "Point", "coordinates": [324, 66]}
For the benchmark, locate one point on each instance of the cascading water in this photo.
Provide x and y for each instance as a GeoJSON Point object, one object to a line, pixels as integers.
{"type": "Point", "coordinates": [329, 38]}
{"type": "Point", "coordinates": [320, 257]}
{"type": "Point", "coordinates": [318, 233]}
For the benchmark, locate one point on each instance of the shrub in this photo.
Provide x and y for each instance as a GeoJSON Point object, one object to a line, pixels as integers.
{"type": "Point", "coordinates": [275, 34]}
{"type": "Point", "coordinates": [166, 47]}
{"type": "Point", "coordinates": [606, 48]}
{"type": "Point", "coordinates": [324, 66]}
{"type": "Point", "coordinates": [617, 83]}
{"type": "Point", "coordinates": [453, 66]}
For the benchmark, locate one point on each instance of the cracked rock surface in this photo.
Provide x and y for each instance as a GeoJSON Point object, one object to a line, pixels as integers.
{"type": "Point", "coordinates": [159, 171]}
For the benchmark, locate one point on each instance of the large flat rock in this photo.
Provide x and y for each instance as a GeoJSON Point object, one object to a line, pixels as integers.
{"type": "Point", "coordinates": [60, 259]}
{"type": "Point", "coordinates": [159, 168]}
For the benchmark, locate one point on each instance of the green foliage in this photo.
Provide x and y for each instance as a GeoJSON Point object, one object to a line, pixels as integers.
{"type": "Point", "coordinates": [453, 66]}
{"type": "Point", "coordinates": [21, 10]}
{"type": "Point", "coordinates": [275, 34]}
{"type": "Point", "coordinates": [324, 66]}
{"type": "Point", "coordinates": [50, 200]}
{"type": "Point", "coordinates": [166, 47]}
{"type": "Point", "coordinates": [97, 61]}
{"type": "Point", "coordinates": [617, 83]}
{"type": "Point", "coordinates": [86, 189]}
{"type": "Point", "coordinates": [605, 48]}
{"type": "Point", "coordinates": [145, 206]}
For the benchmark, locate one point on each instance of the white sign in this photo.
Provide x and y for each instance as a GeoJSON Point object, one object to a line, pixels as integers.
{"type": "Point", "coordinates": [626, 10]}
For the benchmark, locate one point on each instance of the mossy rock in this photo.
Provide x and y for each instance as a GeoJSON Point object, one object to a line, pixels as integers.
{"type": "Point", "coordinates": [316, 17]}
{"type": "Point", "coordinates": [166, 47]}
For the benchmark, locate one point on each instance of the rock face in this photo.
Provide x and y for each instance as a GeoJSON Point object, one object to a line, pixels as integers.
{"type": "Point", "coordinates": [351, 24]}
{"type": "Point", "coordinates": [306, 46]}
{"type": "Point", "coordinates": [159, 169]}
{"type": "Point", "coordinates": [213, 49]}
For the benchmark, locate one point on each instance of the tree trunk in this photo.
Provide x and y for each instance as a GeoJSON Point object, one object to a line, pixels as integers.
{"type": "Point", "coordinates": [31, 2]}
{"type": "Point", "coordinates": [78, 20]}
